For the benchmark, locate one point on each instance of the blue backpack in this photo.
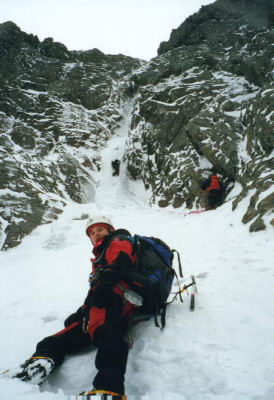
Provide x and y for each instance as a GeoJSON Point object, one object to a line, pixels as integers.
{"type": "Point", "coordinates": [154, 265]}
{"type": "Point", "coordinates": [151, 277]}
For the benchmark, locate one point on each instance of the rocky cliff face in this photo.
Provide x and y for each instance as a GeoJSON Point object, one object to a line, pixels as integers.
{"type": "Point", "coordinates": [57, 109]}
{"type": "Point", "coordinates": [205, 103]}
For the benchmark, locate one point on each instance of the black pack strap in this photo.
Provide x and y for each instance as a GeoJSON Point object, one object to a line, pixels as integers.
{"type": "Point", "coordinates": [137, 248]}
{"type": "Point", "coordinates": [156, 323]}
{"type": "Point", "coordinates": [163, 316]}
{"type": "Point", "coordinates": [179, 263]}
{"type": "Point", "coordinates": [162, 313]}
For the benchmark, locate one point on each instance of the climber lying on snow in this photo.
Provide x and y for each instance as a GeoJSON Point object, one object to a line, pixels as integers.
{"type": "Point", "coordinates": [116, 293]}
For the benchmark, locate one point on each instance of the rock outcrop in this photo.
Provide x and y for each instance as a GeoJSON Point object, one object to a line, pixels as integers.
{"type": "Point", "coordinates": [206, 104]}
{"type": "Point", "coordinates": [57, 109]}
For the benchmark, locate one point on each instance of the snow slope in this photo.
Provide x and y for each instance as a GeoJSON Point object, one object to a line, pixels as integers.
{"type": "Point", "coordinates": [223, 350]}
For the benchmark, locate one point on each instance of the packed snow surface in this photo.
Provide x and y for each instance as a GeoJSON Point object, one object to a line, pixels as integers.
{"type": "Point", "coordinates": [222, 350]}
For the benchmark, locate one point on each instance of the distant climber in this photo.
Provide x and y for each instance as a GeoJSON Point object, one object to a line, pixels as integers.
{"type": "Point", "coordinates": [116, 167]}
{"type": "Point", "coordinates": [215, 192]}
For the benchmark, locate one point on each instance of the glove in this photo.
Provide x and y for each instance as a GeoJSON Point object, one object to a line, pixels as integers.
{"type": "Point", "coordinates": [75, 317]}
{"type": "Point", "coordinates": [124, 263]}
{"type": "Point", "coordinates": [108, 277]}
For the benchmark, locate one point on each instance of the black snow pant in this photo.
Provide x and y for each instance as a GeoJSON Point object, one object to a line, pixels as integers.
{"type": "Point", "coordinates": [108, 327]}
{"type": "Point", "coordinates": [67, 341]}
{"type": "Point", "coordinates": [215, 198]}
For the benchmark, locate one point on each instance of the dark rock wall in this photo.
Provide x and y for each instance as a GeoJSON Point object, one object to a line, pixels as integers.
{"type": "Point", "coordinates": [206, 104]}
{"type": "Point", "coordinates": [57, 109]}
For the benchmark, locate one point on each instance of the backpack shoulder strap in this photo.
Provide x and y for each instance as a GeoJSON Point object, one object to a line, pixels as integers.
{"type": "Point", "coordinates": [179, 262]}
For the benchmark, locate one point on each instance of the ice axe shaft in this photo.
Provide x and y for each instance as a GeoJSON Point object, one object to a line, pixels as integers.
{"type": "Point", "coordinates": [193, 293]}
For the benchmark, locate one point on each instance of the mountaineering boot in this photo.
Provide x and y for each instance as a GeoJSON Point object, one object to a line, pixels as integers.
{"type": "Point", "coordinates": [35, 370]}
{"type": "Point", "coordinates": [101, 394]}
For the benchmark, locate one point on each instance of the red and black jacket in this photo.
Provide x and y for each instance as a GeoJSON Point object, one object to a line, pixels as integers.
{"type": "Point", "coordinates": [114, 260]}
{"type": "Point", "coordinates": [114, 250]}
{"type": "Point", "coordinates": [212, 183]}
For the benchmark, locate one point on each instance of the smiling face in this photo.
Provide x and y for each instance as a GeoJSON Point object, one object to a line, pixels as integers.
{"type": "Point", "coordinates": [97, 232]}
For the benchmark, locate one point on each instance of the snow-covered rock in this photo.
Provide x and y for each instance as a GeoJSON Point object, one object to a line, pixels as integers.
{"type": "Point", "coordinates": [57, 110]}
{"type": "Point", "coordinates": [206, 104]}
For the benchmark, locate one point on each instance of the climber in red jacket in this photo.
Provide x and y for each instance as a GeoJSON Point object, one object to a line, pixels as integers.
{"type": "Point", "coordinates": [215, 192]}
{"type": "Point", "coordinates": [103, 318]}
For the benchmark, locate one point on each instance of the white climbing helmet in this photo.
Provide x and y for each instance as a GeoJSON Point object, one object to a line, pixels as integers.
{"type": "Point", "coordinates": [98, 219]}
